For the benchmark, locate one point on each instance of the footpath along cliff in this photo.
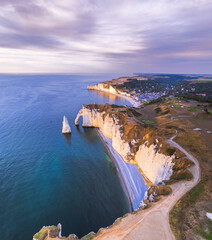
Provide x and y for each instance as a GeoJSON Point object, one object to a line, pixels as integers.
{"type": "Point", "coordinates": [136, 142]}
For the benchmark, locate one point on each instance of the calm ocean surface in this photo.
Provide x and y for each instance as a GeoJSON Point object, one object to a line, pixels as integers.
{"type": "Point", "coordinates": [46, 178]}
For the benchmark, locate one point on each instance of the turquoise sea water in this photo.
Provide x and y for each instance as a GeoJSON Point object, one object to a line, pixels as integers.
{"type": "Point", "coordinates": [45, 177]}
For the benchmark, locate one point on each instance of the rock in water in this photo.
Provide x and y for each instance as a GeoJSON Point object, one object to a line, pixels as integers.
{"type": "Point", "coordinates": [66, 128]}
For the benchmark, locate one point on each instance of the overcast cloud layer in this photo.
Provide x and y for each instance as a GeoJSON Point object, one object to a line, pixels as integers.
{"type": "Point", "coordinates": [123, 36]}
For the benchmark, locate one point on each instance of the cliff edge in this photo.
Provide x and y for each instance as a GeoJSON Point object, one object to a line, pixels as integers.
{"type": "Point", "coordinates": [138, 143]}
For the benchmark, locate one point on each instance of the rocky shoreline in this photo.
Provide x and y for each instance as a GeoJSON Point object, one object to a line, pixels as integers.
{"type": "Point", "coordinates": [133, 182]}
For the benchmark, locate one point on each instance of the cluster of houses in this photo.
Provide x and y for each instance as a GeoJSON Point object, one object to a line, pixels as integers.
{"type": "Point", "coordinates": [142, 97]}
{"type": "Point", "coordinates": [146, 92]}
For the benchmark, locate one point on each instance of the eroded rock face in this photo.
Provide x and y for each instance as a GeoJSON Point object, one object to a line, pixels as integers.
{"type": "Point", "coordinates": [104, 87]}
{"type": "Point", "coordinates": [135, 142]}
{"type": "Point", "coordinates": [156, 166]}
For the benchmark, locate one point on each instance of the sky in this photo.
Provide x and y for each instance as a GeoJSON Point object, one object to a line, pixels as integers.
{"type": "Point", "coordinates": [105, 36]}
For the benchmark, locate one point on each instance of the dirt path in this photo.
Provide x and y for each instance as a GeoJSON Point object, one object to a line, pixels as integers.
{"type": "Point", "coordinates": [153, 223]}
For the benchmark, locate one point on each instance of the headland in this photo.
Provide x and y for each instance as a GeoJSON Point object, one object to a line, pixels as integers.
{"type": "Point", "coordinates": [144, 137]}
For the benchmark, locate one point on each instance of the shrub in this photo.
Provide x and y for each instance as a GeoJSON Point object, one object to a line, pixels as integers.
{"type": "Point", "coordinates": [192, 109]}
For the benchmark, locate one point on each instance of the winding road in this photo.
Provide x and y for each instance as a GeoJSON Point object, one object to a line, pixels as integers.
{"type": "Point", "coordinates": [153, 223]}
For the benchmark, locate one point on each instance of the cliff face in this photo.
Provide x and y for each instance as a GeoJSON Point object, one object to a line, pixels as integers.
{"type": "Point", "coordinates": [135, 142]}
{"type": "Point", "coordinates": [110, 87]}
{"type": "Point", "coordinates": [104, 87]}
{"type": "Point", "coordinates": [156, 166]}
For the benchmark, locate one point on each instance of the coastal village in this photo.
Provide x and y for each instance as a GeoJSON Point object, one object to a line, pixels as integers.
{"type": "Point", "coordinates": [146, 88]}
{"type": "Point", "coordinates": [141, 97]}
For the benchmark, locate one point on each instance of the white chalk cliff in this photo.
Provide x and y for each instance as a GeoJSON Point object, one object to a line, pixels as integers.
{"type": "Point", "coordinates": [66, 127]}
{"type": "Point", "coordinates": [104, 87]}
{"type": "Point", "coordinates": [154, 165]}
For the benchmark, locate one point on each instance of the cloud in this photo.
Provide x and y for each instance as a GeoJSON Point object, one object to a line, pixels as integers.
{"type": "Point", "coordinates": [134, 35]}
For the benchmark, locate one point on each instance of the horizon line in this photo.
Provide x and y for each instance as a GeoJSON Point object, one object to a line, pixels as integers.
{"type": "Point", "coordinates": [78, 73]}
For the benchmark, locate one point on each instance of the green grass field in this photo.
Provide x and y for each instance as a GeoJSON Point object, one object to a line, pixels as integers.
{"type": "Point", "coordinates": [192, 109]}
{"type": "Point", "coordinates": [146, 121]}
{"type": "Point", "coordinates": [177, 106]}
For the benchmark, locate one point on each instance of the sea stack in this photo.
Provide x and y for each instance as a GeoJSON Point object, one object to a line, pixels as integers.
{"type": "Point", "coordinates": [66, 128]}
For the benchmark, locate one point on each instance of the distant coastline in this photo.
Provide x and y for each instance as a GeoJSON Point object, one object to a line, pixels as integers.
{"type": "Point", "coordinates": [128, 98]}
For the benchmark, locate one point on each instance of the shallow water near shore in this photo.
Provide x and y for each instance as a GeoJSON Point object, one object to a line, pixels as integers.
{"type": "Point", "coordinates": [47, 178]}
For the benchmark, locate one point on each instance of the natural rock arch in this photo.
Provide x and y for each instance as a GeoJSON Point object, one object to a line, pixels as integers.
{"type": "Point", "coordinates": [80, 113]}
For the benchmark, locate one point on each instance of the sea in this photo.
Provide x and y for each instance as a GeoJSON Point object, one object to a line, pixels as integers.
{"type": "Point", "coordinates": [47, 178]}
